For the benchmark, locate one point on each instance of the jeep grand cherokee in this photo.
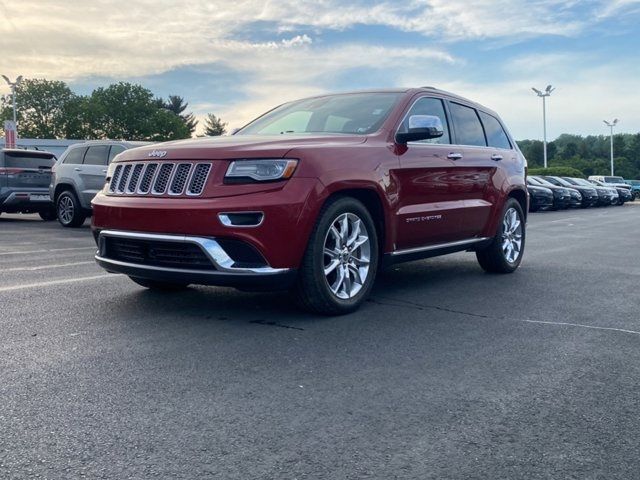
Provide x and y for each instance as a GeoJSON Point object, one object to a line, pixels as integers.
{"type": "Point", "coordinates": [316, 195]}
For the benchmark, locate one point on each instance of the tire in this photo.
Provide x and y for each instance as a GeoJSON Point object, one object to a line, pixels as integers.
{"type": "Point", "coordinates": [495, 258]}
{"type": "Point", "coordinates": [48, 215]}
{"type": "Point", "coordinates": [68, 210]}
{"type": "Point", "coordinates": [322, 286]}
{"type": "Point", "coordinates": [158, 285]}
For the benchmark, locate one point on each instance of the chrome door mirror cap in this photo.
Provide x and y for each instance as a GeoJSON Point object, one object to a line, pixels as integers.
{"type": "Point", "coordinates": [421, 127]}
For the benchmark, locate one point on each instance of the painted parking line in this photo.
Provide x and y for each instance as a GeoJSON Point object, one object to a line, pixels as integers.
{"type": "Point", "coordinates": [56, 282]}
{"type": "Point", "coordinates": [44, 267]}
{"type": "Point", "coordinates": [24, 252]}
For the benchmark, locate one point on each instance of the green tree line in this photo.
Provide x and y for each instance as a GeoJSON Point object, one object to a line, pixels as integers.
{"type": "Point", "coordinates": [591, 154]}
{"type": "Point", "coordinates": [50, 109]}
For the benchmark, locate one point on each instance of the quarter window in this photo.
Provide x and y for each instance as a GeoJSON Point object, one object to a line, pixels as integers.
{"type": "Point", "coordinates": [96, 155]}
{"type": "Point", "coordinates": [429, 106]}
{"type": "Point", "coordinates": [496, 136]}
{"type": "Point", "coordinates": [75, 156]}
{"type": "Point", "coordinates": [467, 125]}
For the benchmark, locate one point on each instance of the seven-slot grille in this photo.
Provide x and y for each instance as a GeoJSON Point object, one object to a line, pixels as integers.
{"type": "Point", "coordinates": [155, 178]}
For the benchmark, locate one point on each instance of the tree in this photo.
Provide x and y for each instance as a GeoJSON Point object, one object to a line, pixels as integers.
{"type": "Point", "coordinates": [214, 126]}
{"type": "Point", "coordinates": [45, 109]}
{"type": "Point", "coordinates": [177, 105]}
{"type": "Point", "coordinates": [127, 111]}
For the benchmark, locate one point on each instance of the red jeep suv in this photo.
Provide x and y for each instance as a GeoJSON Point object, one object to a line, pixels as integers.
{"type": "Point", "coordinates": [316, 195]}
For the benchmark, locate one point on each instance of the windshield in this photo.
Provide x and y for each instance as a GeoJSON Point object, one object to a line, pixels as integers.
{"type": "Point", "coordinates": [357, 113]}
{"type": "Point", "coordinates": [558, 181]}
{"type": "Point", "coordinates": [582, 181]}
{"type": "Point", "coordinates": [614, 180]}
{"type": "Point", "coordinates": [542, 182]}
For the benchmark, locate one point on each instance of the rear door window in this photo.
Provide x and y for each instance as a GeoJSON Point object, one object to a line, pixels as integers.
{"type": "Point", "coordinates": [28, 160]}
{"type": "Point", "coordinates": [75, 156]}
{"type": "Point", "coordinates": [97, 155]}
{"type": "Point", "coordinates": [496, 136]}
{"type": "Point", "coordinates": [115, 150]}
{"type": "Point", "coordinates": [467, 125]}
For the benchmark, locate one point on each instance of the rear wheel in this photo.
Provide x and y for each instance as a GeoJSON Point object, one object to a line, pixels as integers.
{"type": "Point", "coordinates": [159, 285]}
{"type": "Point", "coordinates": [69, 210]}
{"type": "Point", "coordinates": [504, 253]}
{"type": "Point", "coordinates": [340, 263]}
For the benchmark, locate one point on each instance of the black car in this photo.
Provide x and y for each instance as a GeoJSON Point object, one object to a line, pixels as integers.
{"type": "Point", "coordinates": [606, 195]}
{"type": "Point", "coordinates": [624, 194]}
{"type": "Point", "coordinates": [540, 198]}
{"type": "Point", "coordinates": [561, 195]}
{"type": "Point", "coordinates": [24, 182]}
{"type": "Point", "coordinates": [576, 199]}
{"type": "Point", "coordinates": [589, 193]}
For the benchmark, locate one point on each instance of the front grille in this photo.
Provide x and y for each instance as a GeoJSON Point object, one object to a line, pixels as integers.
{"type": "Point", "coordinates": [144, 178]}
{"type": "Point", "coordinates": [156, 253]}
{"type": "Point", "coordinates": [180, 179]}
{"type": "Point", "coordinates": [162, 180]}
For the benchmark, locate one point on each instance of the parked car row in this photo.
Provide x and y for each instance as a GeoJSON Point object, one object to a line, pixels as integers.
{"type": "Point", "coordinates": [556, 193]}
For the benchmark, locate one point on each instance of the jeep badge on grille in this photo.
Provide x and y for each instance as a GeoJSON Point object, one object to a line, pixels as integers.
{"type": "Point", "coordinates": [158, 153]}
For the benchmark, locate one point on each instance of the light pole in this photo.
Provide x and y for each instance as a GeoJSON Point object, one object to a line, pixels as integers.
{"type": "Point", "coordinates": [544, 96]}
{"type": "Point", "coordinates": [13, 86]}
{"type": "Point", "coordinates": [611, 125]}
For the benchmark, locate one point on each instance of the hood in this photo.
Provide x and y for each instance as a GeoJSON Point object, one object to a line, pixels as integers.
{"type": "Point", "coordinates": [235, 146]}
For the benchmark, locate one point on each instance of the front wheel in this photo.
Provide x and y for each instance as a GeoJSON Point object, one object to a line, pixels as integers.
{"type": "Point", "coordinates": [504, 253]}
{"type": "Point", "coordinates": [340, 263]}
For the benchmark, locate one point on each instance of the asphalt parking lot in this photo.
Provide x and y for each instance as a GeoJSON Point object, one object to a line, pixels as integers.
{"type": "Point", "coordinates": [447, 372]}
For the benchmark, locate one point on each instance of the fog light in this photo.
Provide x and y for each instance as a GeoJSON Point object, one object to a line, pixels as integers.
{"type": "Point", "coordinates": [241, 219]}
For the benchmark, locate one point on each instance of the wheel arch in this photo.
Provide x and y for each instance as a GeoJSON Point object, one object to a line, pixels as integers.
{"type": "Point", "coordinates": [522, 197]}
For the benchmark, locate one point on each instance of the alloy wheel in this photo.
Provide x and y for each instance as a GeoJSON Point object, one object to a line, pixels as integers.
{"type": "Point", "coordinates": [66, 209]}
{"type": "Point", "coordinates": [511, 235]}
{"type": "Point", "coordinates": [347, 255]}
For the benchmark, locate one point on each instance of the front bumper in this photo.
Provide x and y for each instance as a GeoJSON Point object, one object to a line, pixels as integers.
{"type": "Point", "coordinates": [221, 271]}
{"type": "Point", "coordinates": [287, 217]}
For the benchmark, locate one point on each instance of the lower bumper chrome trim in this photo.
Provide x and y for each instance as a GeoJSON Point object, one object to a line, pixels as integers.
{"type": "Point", "coordinates": [212, 249]}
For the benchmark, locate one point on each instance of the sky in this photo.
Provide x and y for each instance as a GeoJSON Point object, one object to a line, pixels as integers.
{"type": "Point", "coordinates": [239, 59]}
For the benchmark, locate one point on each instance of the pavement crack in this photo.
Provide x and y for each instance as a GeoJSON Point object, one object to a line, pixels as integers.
{"type": "Point", "coordinates": [275, 324]}
{"type": "Point", "coordinates": [420, 306]}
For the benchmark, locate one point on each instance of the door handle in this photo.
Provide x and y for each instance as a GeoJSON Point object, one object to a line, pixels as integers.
{"type": "Point", "coordinates": [496, 157]}
{"type": "Point", "coordinates": [454, 156]}
{"type": "Point", "coordinates": [78, 169]}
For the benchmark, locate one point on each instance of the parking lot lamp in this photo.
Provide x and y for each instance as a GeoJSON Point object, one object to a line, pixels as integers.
{"type": "Point", "coordinates": [13, 86]}
{"type": "Point", "coordinates": [611, 125]}
{"type": "Point", "coordinates": [544, 95]}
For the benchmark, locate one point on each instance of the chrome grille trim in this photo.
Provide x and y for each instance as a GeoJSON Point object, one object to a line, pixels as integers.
{"type": "Point", "coordinates": [180, 177]}
{"type": "Point", "coordinates": [165, 173]}
{"type": "Point", "coordinates": [147, 178]}
{"type": "Point", "coordinates": [135, 178]}
{"type": "Point", "coordinates": [115, 178]}
{"type": "Point", "coordinates": [124, 178]}
{"type": "Point", "coordinates": [198, 179]}
{"type": "Point", "coordinates": [186, 178]}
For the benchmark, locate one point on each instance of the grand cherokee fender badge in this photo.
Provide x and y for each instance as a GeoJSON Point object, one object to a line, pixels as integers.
{"type": "Point", "coordinates": [158, 153]}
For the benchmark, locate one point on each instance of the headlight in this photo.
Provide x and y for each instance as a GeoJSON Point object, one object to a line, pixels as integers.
{"type": "Point", "coordinates": [263, 170]}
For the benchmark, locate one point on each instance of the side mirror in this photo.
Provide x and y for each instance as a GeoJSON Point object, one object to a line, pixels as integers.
{"type": "Point", "coordinates": [421, 127]}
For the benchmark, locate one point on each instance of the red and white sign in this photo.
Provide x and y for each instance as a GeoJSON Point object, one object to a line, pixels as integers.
{"type": "Point", "coordinates": [10, 134]}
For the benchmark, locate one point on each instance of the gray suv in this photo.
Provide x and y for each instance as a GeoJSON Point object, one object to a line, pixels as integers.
{"type": "Point", "coordinates": [79, 175]}
{"type": "Point", "coordinates": [24, 179]}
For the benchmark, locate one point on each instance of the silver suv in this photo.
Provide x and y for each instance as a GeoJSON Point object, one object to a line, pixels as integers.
{"type": "Point", "coordinates": [79, 175]}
